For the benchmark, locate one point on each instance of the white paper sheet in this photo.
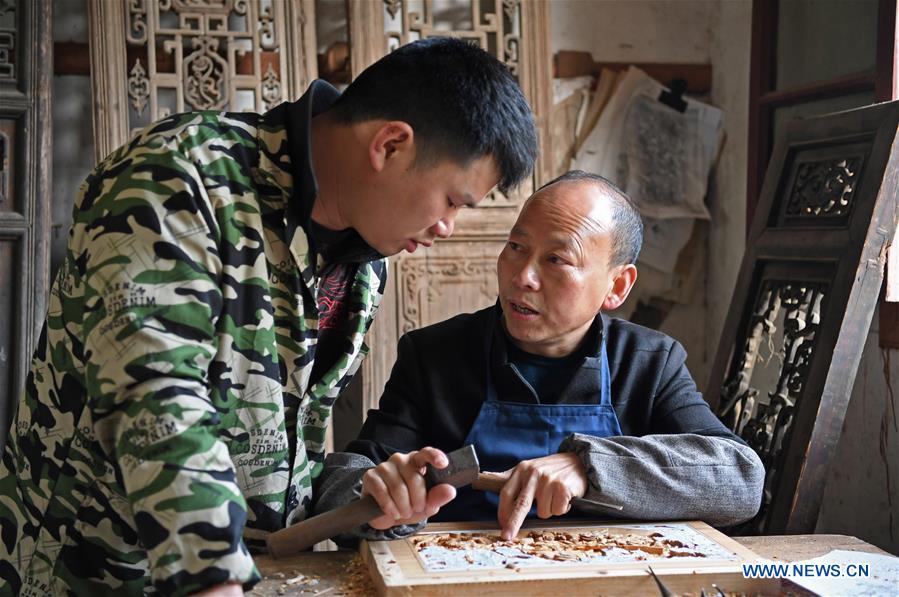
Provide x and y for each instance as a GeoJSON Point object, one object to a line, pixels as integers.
{"type": "Point", "coordinates": [660, 157]}
{"type": "Point", "coordinates": [883, 579]}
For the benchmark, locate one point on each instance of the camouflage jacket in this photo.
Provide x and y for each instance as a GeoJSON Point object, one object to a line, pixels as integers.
{"type": "Point", "coordinates": [168, 422]}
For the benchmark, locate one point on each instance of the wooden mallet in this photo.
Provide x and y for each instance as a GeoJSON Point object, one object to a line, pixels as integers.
{"type": "Point", "coordinates": [462, 470]}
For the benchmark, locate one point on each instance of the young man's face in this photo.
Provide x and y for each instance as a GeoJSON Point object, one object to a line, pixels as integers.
{"type": "Point", "coordinates": [412, 205]}
{"type": "Point", "coordinates": [554, 273]}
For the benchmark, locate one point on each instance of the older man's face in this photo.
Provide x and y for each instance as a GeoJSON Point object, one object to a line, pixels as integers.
{"type": "Point", "coordinates": [554, 272]}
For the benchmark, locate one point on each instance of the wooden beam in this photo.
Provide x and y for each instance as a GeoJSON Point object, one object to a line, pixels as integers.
{"type": "Point", "coordinates": [887, 65]}
{"type": "Point", "coordinates": [761, 81]}
{"type": "Point", "coordinates": [852, 83]}
{"type": "Point", "coordinates": [568, 63]}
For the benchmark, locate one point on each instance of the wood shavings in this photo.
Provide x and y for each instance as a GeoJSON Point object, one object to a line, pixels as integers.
{"type": "Point", "coordinates": [357, 580]}
{"type": "Point", "coordinates": [560, 545]}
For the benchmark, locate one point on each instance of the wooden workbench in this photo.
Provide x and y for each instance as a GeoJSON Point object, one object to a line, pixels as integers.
{"type": "Point", "coordinates": [327, 568]}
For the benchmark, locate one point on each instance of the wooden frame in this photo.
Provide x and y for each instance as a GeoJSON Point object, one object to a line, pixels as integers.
{"type": "Point", "coordinates": [835, 254]}
{"type": "Point", "coordinates": [25, 87]}
{"type": "Point", "coordinates": [763, 99]}
{"type": "Point", "coordinates": [396, 570]}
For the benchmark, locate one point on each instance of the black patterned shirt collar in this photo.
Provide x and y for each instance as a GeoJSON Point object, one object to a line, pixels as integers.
{"type": "Point", "coordinates": [332, 246]}
{"type": "Point", "coordinates": [585, 385]}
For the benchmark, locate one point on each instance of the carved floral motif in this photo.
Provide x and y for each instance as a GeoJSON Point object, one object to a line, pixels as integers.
{"type": "Point", "coordinates": [271, 88]}
{"type": "Point", "coordinates": [421, 280]}
{"type": "Point", "coordinates": [207, 54]}
{"type": "Point", "coordinates": [138, 87]}
{"type": "Point", "coordinates": [824, 188]}
{"type": "Point", "coordinates": [763, 416]}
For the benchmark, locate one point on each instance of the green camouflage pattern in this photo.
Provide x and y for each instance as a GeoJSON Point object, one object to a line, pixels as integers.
{"type": "Point", "coordinates": [155, 445]}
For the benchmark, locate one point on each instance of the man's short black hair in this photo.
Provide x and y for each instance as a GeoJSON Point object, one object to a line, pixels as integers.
{"type": "Point", "coordinates": [627, 235]}
{"type": "Point", "coordinates": [461, 102]}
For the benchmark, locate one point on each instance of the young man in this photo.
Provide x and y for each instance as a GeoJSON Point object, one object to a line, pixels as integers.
{"type": "Point", "coordinates": [221, 273]}
{"type": "Point", "coordinates": [566, 400]}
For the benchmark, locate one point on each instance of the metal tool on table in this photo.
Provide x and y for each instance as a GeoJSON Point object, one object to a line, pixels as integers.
{"type": "Point", "coordinates": [493, 482]}
{"type": "Point", "coordinates": [461, 470]}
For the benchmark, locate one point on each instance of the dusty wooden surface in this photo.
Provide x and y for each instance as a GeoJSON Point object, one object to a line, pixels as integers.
{"type": "Point", "coordinates": [788, 548]}
{"type": "Point", "coordinates": [323, 573]}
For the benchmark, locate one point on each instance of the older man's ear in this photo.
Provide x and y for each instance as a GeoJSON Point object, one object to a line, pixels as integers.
{"type": "Point", "coordinates": [622, 284]}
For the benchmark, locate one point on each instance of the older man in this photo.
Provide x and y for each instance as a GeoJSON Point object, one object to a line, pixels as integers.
{"type": "Point", "coordinates": [567, 400]}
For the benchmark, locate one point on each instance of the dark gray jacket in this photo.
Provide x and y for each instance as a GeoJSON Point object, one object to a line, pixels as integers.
{"type": "Point", "coordinates": [674, 459]}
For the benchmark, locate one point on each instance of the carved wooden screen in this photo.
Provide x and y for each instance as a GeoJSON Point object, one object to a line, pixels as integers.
{"type": "Point", "coordinates": [25, 76]}
{"type": "Point", "coordinates": [459, 274]}
{"type": "Point", "coordinates": [803, 303]}
{"type": "Point", "coordinates": [151, 58]}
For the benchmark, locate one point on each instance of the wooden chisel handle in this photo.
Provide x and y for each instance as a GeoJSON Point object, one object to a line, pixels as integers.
{"type": "Point", "coordinates": [307, 533]}
{"type": "Point", "coordinates": [493, 482]}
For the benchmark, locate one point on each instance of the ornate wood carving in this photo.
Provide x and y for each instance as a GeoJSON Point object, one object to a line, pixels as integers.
{"type": "Point", "coordinates": [824, 188]}
{"type": "Point", "coordinates": [25, 80]}
{"type": "Point", "coordinates": [195, 55]}
{"type": "Point", "coordinates": [422, 281]}
{"type": "Point", "coordinates": [804, 301]}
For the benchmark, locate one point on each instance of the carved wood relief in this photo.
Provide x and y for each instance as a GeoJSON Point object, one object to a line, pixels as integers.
{"type": "Point", "coordinates": [437, 288]}
{"type": "Point", "coordinates": [458, 275]}
{"type": "Point", "coordinates": [804, 300]}
{"type": "Point", "coordinates": [762, 393]}
{"type": "Point", "coordinates": [195, 55]}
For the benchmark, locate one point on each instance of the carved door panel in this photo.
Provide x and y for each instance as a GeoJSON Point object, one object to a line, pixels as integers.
{"type": "Point", "coordinates": [459, 274]}
{"type": "Point", "coordinates": [151, 58]}
{"type": "Point", "coordinates": [25, 71]}
{"type": "Point", "coordinates": [803, 303]}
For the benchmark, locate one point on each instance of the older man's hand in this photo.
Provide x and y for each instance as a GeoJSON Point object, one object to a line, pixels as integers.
{"type": "Point", "coordinates": [551, 481]}
{"type": "Point", "coordinates": [398, 485]}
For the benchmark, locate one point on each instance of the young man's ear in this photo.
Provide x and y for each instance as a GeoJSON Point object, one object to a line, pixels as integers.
{"type": "Point", "coordinates": [621, 287]}
{"type": "Point", "coordinates": [391, 141]}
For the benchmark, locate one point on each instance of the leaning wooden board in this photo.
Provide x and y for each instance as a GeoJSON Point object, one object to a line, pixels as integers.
{"type": "Point", "coordinates": [420, 565]}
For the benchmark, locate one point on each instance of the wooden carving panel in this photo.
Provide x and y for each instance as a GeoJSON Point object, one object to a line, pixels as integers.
{"type": "Point", "coordinates": [552, 557]}
{"type": "Point", "coordinates": [448, 282]}
{"type": "Point", "coordinates": [196, 55]}
{"type": "Point", "coordinates": [804, 301]}
{"type": "Point", "coordinates": [452, 277]}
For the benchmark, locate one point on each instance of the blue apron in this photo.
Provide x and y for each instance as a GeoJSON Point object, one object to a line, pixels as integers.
{"type": "Point", "coordinates": [505, 433]}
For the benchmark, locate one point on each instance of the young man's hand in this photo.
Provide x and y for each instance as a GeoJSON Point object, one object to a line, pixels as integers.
{"type": "Point", "coordinates": [551, 481]}
{"type": "Point", "coordinates": [398, 485]}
